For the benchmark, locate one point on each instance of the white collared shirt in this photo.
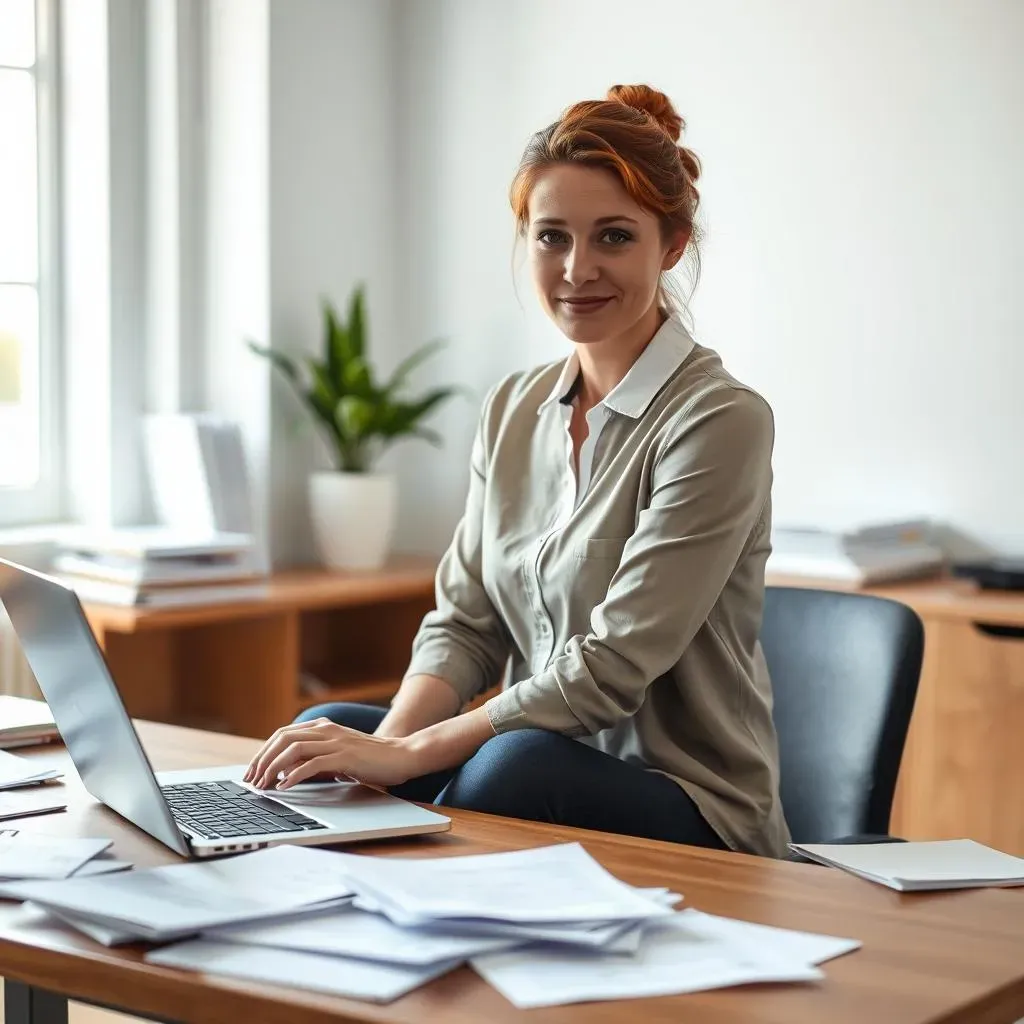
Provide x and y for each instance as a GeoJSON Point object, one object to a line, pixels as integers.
{"type": "Point", "coordinates": [655, 365]}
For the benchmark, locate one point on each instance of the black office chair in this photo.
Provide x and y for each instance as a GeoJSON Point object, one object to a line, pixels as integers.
{"type": "Point", "coordinates": [844, 670]}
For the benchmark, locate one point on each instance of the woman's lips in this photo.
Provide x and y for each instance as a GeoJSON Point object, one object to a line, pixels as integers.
{"type": "Point", "coordinates": [582, 307]}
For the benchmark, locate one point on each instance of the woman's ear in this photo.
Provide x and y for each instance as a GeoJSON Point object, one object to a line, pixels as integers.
{"type": "Point", "coordinates": [677, 246]}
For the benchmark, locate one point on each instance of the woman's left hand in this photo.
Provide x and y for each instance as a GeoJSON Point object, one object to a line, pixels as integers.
{"type": "Point", "coordinates": [302, 751]}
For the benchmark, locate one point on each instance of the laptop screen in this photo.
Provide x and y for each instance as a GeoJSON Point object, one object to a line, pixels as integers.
{"type": "Point", "coordinates": [84, 701]}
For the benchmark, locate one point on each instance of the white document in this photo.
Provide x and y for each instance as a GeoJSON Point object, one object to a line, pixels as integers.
{"type": "Point", "coordinates": [590, 934]}
{"type": "Point", "coordinates": [540, 886]}
{"type": "Point", "coordinates": [113, 934]}
{"type": "Point", "coordinates": [781, 943]}
{"type": "Point", "coordinates": [355, 933]}
{"type": "Point", "coordinates": [96, 866]}
{"type": "Point", "coordinates": [102, 866]}
{"type": "Point", "coordinates": [186, 898]}
{"type": "Point", "coordinates": [20, 771]}
{"type": "Point", "coordinates": [354, 979]}
{"type": "Point", "coordinates": [677, 954]}
{"type": "Point", "coordinates": [31, 855]}
{"type": "Point", "coordinates": [942, 864]}
{"type": "Point", "coordinates": [104, 934]}
{"type": "Point", "coordinates": [28, 805]}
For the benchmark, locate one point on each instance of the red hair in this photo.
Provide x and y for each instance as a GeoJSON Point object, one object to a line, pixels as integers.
{"type": "Point", "coordinates": [633, 133]}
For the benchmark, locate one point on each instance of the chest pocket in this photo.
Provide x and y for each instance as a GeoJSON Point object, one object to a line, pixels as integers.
{"type": "Point", "coordinates": [594, 564]}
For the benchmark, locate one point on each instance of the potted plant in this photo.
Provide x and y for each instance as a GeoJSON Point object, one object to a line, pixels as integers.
{"type": "Point", "coordinates": [353, 508]}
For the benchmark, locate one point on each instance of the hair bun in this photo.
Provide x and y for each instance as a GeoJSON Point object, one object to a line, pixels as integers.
{"type": "Point", "coordinates": [650, 101]}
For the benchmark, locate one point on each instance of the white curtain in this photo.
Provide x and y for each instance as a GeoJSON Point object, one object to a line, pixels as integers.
{"type": "Point", "coordinates": [16, 677]}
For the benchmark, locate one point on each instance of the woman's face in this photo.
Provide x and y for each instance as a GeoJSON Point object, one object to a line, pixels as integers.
{"type": "Point", "coordinates": [595, 254]}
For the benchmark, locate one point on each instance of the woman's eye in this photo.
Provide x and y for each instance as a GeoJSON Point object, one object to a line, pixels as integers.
{"type": "Point", "coordinates": [550, 237]}
{"type": "Point", "coordinates": [616, 236]}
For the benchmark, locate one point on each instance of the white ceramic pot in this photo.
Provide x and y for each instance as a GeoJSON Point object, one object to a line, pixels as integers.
{"type": "Point", "coordinates": [353, 517]}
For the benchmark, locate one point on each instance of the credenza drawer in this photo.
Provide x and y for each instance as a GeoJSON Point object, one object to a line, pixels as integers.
{"type": "Point", "coordinates": [963, 768]}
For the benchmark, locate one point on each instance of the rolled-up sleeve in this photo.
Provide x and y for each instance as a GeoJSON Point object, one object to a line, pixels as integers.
{"type": "Point", "coordinates": [464, 641]}
{"type": "Point", "coordinates": [709, 489]}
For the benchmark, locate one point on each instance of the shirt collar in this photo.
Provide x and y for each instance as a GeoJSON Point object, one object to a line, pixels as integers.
{"type": "Point", "coordinates": [664, 354]}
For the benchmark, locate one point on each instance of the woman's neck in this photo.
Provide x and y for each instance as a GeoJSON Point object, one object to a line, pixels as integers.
{"type": "Point", "coordinates": [603, 364]}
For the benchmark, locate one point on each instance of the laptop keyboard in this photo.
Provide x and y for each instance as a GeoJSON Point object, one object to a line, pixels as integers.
{"type": "Point", "coordinates": [225, 810]}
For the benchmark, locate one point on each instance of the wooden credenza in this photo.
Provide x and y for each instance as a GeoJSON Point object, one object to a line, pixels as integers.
{"type": "Point", "coordinates": [963, 768]}
{"type": "Point", "coordinates": [248, 667]}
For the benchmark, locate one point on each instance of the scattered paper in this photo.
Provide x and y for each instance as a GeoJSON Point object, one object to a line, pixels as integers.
{"type": "Point", "coordinates": [113, 934]}
{"type": "Point", "coordinates": [21, 771]}
{"type": "Point", "coordinates": [102, 866]}
{"type": "Point", "coordinates": [27, 805]}
{"type": "Point", "coordinates": [340, 976]}
{"type": "Point", "coordinates": [355, 933]}
{"type": "Point", "coordinates": [589, 934]}
{"type": "Point", "coordinates": [678, 954]}
{"type": "Point", "coordinates": [186, 898]}
{"type": "Point", "coordinates": [783, 943]}
{"type": "Point", "coordinates": [31, 855]}
{"type": "Point", "coordinates": [104, 934]}
{"type": "Point", "coordinates": [546, 885]}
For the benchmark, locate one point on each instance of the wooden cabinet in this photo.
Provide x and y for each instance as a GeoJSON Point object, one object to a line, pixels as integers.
{"type": "Point", "coordinates": [249, 667]}
{"type": "Point", "coordinates": [962, 773]}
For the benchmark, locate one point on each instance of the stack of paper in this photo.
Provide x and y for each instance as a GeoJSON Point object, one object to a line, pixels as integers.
{"type": "Point", "coordinates": [543, 926]}
{"type": "Point", "coordinates": [557, 890]}
{"type": "Point", "coordinates": [24, 722]}
{"type": "Point", "coordinates": [908, 867]}
{"type": "Point", "coordinates": [29, 855]}
{"type": "Point", "coordinates": [170, 902]}
{"type": "Point", "coordinates": [684, 952]}
{"type": "Point", "coordinates": [20, 771]}
{"type": "Point", "coordinates": [354, 979]}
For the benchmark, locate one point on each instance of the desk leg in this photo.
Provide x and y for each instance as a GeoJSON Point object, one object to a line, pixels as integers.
{"type": "Point", "coordinates": [27, 1004]}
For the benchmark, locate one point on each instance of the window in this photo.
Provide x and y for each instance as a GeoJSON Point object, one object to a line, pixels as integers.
{"type": "Point", "coordinates": [29, 359]}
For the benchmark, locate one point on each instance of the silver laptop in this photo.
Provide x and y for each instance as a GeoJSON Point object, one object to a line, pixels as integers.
{"type": "Point", "coordinates": [198, 813]}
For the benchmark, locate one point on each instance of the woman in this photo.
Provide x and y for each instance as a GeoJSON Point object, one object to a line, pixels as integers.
{"type": "Point", "coordinates": [613, 543]}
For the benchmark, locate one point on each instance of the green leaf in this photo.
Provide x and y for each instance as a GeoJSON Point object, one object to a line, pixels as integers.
{"type": "Point", "coordinates": [335, 343]}
{"type": "Point", "coordinates": [321, 396]}
{"type": "Point", "coordinates": [430, 400]}
{"type": "Point", "coordinates": [430, 436]}
{"type": "Point", "coordinates": [357, 380]}
{"type": "Point", "coordinates": [278, 360]}
{"type": "Point", "coordinates": [354, 417]}
{"type": "Point", "coordinates": [407, 365]}
{"type": "Point", "coordinates": [357, 324]}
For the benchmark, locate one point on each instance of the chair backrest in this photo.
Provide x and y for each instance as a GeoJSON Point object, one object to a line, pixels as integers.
{"type": "Point", "coordinates": [844, 670]}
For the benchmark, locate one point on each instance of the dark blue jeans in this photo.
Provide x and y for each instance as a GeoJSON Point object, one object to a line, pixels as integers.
{"type": "Point", "coordinates": [543, 776]}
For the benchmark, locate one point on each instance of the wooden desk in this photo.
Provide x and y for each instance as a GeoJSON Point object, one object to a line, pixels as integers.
{"type": "Point", "coordinates": [963, 768]}
{"type": "Point", "coordinates": [949, 957]}
{"type": "Point", "coordinates": [238, 667]}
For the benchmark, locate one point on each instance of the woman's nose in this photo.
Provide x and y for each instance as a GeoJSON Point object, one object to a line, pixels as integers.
{"type": "Point", "coordinates": [580, 266]}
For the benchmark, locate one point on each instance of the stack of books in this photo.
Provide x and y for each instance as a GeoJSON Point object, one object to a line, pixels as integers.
{"type": "Point", "coordinates": [860, 554]}
{"type": "Point", "coordinates": [158, 567]}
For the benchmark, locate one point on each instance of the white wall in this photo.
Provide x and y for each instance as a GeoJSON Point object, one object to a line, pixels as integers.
{"type": "Point", "coordinates": [333, 197]}
{"type": "Point", "coordinates": [862, 204]}
{"type": "Point", "coordinates": [237, 243]}
{"type": "Point", "coordinates": [300, 191]}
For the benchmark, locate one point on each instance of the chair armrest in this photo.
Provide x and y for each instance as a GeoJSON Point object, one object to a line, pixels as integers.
{"type": "Point", "coordinates": [854, 840]}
